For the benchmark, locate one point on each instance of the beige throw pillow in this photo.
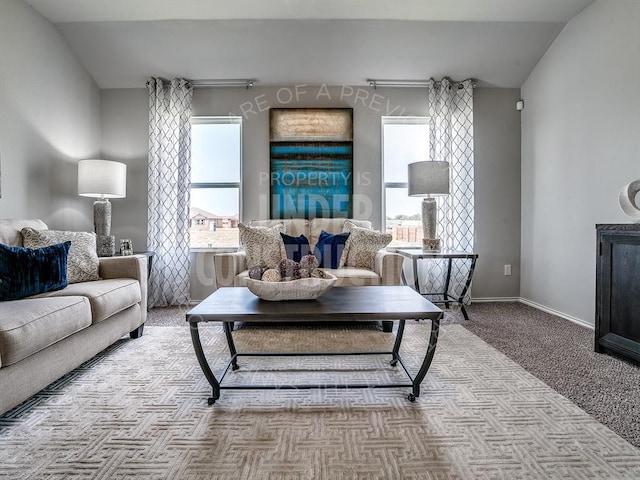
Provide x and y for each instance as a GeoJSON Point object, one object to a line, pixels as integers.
{"type": "Point", "coordinates": [362, 246]}
{"type": "Point", "coordinates": [82, 263]}
{"type": "Point", "coordinates": [263, 245]}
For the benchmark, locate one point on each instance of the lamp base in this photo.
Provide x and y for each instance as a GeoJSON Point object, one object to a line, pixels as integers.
{"type": "Point", "coordinates": [106, 245]}
{"type": "Point", "coordinates": [431, 244]}
{"type": "Point", "coordinates": [102, 216]}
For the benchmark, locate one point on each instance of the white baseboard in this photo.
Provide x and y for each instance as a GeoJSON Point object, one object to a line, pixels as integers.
{"type": "Point", "coordinates": [572, 319]}
{"type": "Point", "coordinates": [494, 299]}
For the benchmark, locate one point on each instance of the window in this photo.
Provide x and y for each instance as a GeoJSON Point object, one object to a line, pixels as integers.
{"type": "Point", "coordinates": [216, 177]}
{"type": "Point", "coordinates": [404, 140]}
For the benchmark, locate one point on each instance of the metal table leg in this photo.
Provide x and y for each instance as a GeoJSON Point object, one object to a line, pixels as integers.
{"type": "Point", "coordinates": [466, 288]}
{"type": "Point", "coordinates": [396, 346]}
{"type": "Point", "coordinates": [428, 358]}
{"type": "Point", "coordinates": [447, 282]}
{"type": "Point", "coordinates": [228, 326]}
{"type": "Point", "coordinates": [204, 365]}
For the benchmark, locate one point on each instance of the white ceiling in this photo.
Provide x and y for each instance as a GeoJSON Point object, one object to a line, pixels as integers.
{"type": "Point", "coordinates": [286, 42]}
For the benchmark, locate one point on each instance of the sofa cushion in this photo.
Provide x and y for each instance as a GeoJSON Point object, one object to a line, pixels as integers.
{"type": "Point", "coordinates": [329, 249]}
{"type": "Point", "coordinates": [354, 277]}
{"type": "Point", "coordinates": [82, 264]}
{"type": "Point", "coordinates": [296, 247]}
{"type": "Point", "coordinates": [106, 297]}
{"type": "Point", "coordinates": [263, 245]}
{"type": "Point", "coordinates": [32, 324]}
{"type": "Point", "coordinates": [25, 271]}
{"type": "Point", "coordinates": [362, 246]}
{"type": "Point", "coordinates": [10, 230]}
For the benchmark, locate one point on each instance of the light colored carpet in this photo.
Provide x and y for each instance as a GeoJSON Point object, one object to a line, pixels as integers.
{"type": "Point", "coordinates": [139, 411]}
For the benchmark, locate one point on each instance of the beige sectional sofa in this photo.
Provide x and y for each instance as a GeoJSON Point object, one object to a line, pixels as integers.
{"type": "Point", "coordinates": [231, 268]}
{"type": "Point", "coordinates": [45, 336]}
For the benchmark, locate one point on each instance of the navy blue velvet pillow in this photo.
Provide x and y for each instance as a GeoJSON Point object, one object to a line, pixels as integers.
{"type": "Point", "coordinates": [296, 247]}
{"type": "Point", "coordinates": [25, 271]}
{"type": "Point", "coordinates": [329, 248]}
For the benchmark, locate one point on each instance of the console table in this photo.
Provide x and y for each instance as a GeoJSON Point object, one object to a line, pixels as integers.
{"type": "Point", "coordinates": [415, 254]}
{"type": "Point", "coordinates": [343, 304]}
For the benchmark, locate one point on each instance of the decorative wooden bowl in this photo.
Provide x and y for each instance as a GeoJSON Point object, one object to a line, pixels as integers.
{"type": "Point", "coordinates": [302, 289]}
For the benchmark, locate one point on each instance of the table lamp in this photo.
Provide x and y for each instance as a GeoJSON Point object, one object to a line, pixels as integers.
{"type": "Point", "coordinates": [427, 179]}
{"type": "Point", "coordinates": [102, 179]}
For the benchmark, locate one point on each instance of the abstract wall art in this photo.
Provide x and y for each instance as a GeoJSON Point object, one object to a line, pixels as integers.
{"type": "Point", "coordinates": [311, 159]}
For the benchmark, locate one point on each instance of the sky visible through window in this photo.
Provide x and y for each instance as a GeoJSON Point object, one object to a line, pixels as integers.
{"type": "Point", "coordinates": [403, 143]}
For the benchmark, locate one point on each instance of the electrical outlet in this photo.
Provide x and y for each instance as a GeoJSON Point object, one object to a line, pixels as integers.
{"type": "Point", "coordinates": [507, 270]}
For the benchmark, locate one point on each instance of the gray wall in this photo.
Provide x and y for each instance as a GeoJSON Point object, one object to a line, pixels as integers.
{"type": "Point", "coordinates": [497, 192]}
{"type": "Point", "coordinates": [49, 119]}
{"type": "Point", "coordinates": [497, 143]}
{"type": "Point", "coordinates": [124, 118]}
{"type": "Point", "coordinates": [580, 145]}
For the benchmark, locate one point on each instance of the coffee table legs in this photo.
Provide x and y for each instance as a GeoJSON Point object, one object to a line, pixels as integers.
{"type": "Point", "coordinates": [202, 360]}
{"type": "Point", "coordinates": [228, 326]}
{"type": "Point", "coordinates": [395, 353]}
{"type": "Point", "coordinates": [395, 358]}
{"type": "Point", "coordinates": [428, 358]}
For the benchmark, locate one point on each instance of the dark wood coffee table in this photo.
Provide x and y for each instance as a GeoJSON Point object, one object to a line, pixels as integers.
{"type": "Point", "coordinates": [341, 304]}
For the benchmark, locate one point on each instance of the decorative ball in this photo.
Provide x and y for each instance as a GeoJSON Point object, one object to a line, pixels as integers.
{"type": "Point", "coordinates": [256, 272]}
{"type": "Point", "coordinates": [309, 262]}
{"type": "Point", "coordinates": [318, 273]}
{"type": "Point", "coordinates": [271, 275]}
{"type": "Point", "coordinates": [305, 273]}
{"type": "Point", "coordinates": [289, 268]}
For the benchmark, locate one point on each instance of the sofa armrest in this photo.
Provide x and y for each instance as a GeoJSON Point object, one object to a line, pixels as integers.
{"type": "Point", "coordinates": [389, 266]}
{"type": "Point", "coordinates": [227, 266]}
{"type": "Point", "coordinates": [130, 266]}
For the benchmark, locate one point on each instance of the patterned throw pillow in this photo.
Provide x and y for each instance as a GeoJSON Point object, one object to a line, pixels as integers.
{"type": "Point", "coordinates": [362, 246]}
{"type": "Point", "coordinates": [26, 271]}
{"type": "Point", "coordinates": [82, 265]}
{"type": "Point", "coordinates": [263, 245]}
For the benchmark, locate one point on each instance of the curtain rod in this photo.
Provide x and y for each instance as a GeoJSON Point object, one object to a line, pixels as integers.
{"type": "Point", "coordinates": [234, 82]}
{"type": "Point", "coordinates": [375, 83]}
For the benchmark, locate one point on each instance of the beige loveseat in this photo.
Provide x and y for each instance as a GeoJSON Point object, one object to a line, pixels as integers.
{"type": "Point", "coordinates": [46, 336]}
{"type": "Point", "coordinates": [231, 268]}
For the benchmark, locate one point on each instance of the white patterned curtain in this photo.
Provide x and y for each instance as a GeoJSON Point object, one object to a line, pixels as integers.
{"type": "Point", "coordinates": [451, 140]}
{"type": "Point", "coordinates": [168, 198]}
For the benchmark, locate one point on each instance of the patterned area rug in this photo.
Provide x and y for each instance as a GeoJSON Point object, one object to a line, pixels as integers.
{"type": "Point", "coordinates": [139, 410]}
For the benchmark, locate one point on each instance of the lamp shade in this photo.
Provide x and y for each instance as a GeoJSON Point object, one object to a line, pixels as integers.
{"type": "Point", "coordinates": [102, 178]}
{"type": "Point", "coordinates": [428, 178]}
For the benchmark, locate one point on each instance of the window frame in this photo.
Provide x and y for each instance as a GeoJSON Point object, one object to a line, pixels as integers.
{"type": "Point", "coordinates": [221, 120]}
{"type": "Point", "coordinates": [394, 120]}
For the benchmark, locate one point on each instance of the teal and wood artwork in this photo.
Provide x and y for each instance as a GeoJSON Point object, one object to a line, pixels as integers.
{"type": "Point", "coordinates": [311, 152]}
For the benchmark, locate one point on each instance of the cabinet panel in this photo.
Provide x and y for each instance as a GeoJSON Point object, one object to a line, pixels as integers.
{"type": "Point", "coordinates": [618, 290]}
{"type": "Point", "coordinates": [625, 290]}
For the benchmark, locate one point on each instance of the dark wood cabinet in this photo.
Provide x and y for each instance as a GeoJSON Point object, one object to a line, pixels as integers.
{"type": "Point", "coordinates": [618, 290]}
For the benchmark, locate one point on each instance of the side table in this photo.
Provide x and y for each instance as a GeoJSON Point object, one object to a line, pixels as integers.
{"type": "Point", "coordinates": [415, 254]}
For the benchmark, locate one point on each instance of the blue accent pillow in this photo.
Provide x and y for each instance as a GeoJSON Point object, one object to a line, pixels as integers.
{"type": "Point", "coordinates": [296, 247]}
{"type": "Point", "coordinates": [25, 271]}
{"type": "Point", "coordinates": [329, 248]}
